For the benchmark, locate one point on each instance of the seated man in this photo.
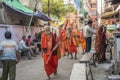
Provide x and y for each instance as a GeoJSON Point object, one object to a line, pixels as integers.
{"type": "Point", "coordinates": [30, 44]}
{"type": "Point", "coordinates": [23, 47]}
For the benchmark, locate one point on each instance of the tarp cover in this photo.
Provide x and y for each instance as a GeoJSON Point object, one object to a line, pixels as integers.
{"type": "Point", "coordinates": [17, 6]}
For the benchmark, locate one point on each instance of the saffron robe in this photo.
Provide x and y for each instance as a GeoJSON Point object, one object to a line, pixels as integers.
{"type": "Point", "coordinates": [100, 44]}
{"type": "Point", "coordinates": [63, 42]}
{"type": "Point", "coordinates": [47, 44]}
{"type": "Point", "coordinates": [73, 45]}
{"type": "Point", "coordinates": [82, 40]}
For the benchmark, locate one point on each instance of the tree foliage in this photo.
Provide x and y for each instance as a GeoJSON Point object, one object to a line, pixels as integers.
{"type": "Point", "coordinates": [57, 8]}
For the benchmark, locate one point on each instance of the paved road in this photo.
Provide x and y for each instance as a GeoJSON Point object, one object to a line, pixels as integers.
{"type": "Point", "coordinates": [34, 70]}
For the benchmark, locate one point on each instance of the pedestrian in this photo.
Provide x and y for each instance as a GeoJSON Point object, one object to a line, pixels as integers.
{"type": "Point", "coordinates": [75, 32]}
{"type": "Point", "coordinates": [82, 41]}
{"type": "Point", "coordinates": [88, 31]}
{"type": "Point", "coordinates": [68, 42]}
{"type": "Point", "coordinates": [100, 44]}
{"type": "Point", "coordinates": [49, 52]}
{"type": "Point", "coordinates": [10, 56]}
{"type": "Point", "coordinates": [24, 48]}
{"type": "Point", "coordinates": [74, 39]}
{"type": "Point", "coordinates": [71, 43]}
{"type": "Point", "coordinates": [63, 42]}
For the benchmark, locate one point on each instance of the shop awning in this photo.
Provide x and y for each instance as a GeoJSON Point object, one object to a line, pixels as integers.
{"type": "Point", "coordinates": [17, 6]}
{"type": "Point", "coordinates": [108, 15]}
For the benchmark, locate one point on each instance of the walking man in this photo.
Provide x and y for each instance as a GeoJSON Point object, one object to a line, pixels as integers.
{"type": "Point", "coordinates": [49, 52]}
{"type": "Point", "coordinates": [9, 56]}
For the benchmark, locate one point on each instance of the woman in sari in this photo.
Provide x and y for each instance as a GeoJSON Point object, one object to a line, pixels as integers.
{"type": "Point", "coordinates": [100, 44]}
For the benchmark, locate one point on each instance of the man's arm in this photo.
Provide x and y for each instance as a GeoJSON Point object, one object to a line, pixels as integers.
{"type": "Point", "coordinates": [91, 30]}
{"type": "Point", "coordinates": [17, 53]}
{"type": "Point", "coordinates": [24, 45]}
{"type": "Point", "coordinates": [18, 56]}
{"type": "Point", "coordinates": [1, 49]}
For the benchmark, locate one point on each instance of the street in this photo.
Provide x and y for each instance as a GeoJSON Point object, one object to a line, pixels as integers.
{"type": "Point", "coordinates": [34, 69]}
{"type": "Point", "coordinates": [49, 24]}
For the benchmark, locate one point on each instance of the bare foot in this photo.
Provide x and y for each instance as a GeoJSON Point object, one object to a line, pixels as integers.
{"type": "Point", "coordinates": [55, 73]}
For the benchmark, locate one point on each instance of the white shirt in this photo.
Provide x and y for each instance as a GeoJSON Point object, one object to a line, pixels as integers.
{"type": "Point", "coordinates": [22, 44]}
{"type": "Point", "coordinates": [87, 31]}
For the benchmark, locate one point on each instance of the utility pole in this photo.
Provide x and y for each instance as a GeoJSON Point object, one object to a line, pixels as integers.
{"type": "Point", "coordinates": [48, 11]}
{"type": "Point", "coordinates": [101, 7]}
{"type": "Point", "coordinates": [97, 12]}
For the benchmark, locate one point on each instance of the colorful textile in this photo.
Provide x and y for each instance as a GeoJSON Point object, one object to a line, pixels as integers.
{"type": "Point", "coordinates": [44, 41]}
{"type": "Point", "coordinates": [82, 40]}
{"type": "Point", "coordinates": [100, 44]}
{"type": "Point", "coordinates": [59, 53]}
{"type": "Point", "coordinates": [63, 42]}
{"type": "Point", "coordinates": [75, 34]}
{"type": "Point", "coordinates": [51, 67]}
{"type": "Point", "coordinates": [59, 48]}
{"type": "Point", "coordinates": [73, 47]}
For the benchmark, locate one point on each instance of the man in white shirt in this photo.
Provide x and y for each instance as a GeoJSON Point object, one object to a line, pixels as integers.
{"type": "Point", "coordinates": [88, 31]}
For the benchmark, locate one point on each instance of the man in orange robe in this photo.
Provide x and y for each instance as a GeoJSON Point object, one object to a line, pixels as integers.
{"type": "Point", "coordinates": [82, 41]}
{"type": "Point", "coordinates": [63, 34]}
{"type": "Point", "coordinates": [50, 57]}
{"type": "Point", "coordinates": [71, 43]}
{"type": "Point", "coordinates": [63, 42]}
{"type": "Point", "coordinates": [74, 39]}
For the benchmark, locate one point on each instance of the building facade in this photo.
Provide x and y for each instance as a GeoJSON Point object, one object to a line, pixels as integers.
{"type": "Point", "coordinates": [31, 4]}
{"type": "Point", "coordinates": [93, 12]}
{"type": "Point", "coordinates": [90, 7]}
{"type": "Point", "coordinates": [35, 5]}
{"type": "Point", "coordinates": [12, 17]}
{"type": "Point", "coordinates": [110, 14]}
